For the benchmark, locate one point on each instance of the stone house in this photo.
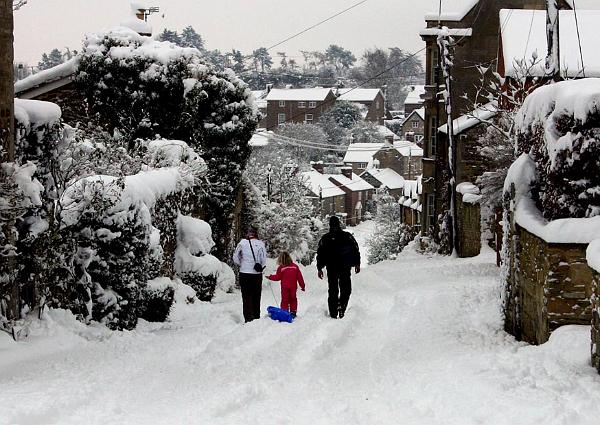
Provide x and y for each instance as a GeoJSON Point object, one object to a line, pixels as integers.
{"type": "Point", "coordinates": [593, 257]}
{"type": "Point", "coordinates": [359, 156]}
{"type": "Point", "coordinates": [475, 28]}
{"type": "Point", "coordinates": [371, 102]}
{"type": "Point", "coordinates": [358, 193]}
{"type": "Point", "coordinates": [411, 203]}
{"type": "Point", "coordinates": [414, 99]}
{"type": "Point", "coordinates": [385, 178]}
{"type": "Point", "coordinates": [402, 156]}
{"type": "Point", "coordinates": [297, 105]}
{"type": "Point", "coordinates": [413, 127]}
{"type": "Point", "coordinates": [325, 194]}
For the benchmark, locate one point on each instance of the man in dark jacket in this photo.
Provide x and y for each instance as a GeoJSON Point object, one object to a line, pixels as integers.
{"type": "Point", "coordinates": [338, 252]}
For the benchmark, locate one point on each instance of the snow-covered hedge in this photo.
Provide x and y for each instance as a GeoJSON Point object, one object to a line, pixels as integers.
{"type": "Point", "coordinates": [559, 126]}
{"type": "Point", "coordinates": [142, 88]}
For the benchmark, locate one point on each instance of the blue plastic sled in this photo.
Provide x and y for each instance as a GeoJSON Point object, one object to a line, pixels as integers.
{"type": "Point", "coordinates": [279, 314]}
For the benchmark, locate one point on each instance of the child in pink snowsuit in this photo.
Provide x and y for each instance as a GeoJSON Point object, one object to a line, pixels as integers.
{"type": "Point", "coordinates": [290, 276]}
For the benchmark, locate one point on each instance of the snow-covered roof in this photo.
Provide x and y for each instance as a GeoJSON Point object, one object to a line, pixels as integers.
{"type": "Point", "coordinates": [453, 32]}
{"type": "Point", "coordinates": [358, 95]}
{"type": "Point", "coordinates": [362, 152]}
{"type": "Point", "coordinates": [260, 138]}
{"type": "Point", "coordinates": [355, 184]}
{"type": "Point", "coordinates": [316, 94]}
{"type": "Point", "coordinates": [472, 119]}
{"type": "Point", "coordinates": [319, 184]}
{"type": "Point", "coordinates": [386, 132]}
{"type": "Point", "coordinates": [406, 148]}
{"type": "Point", "coordinates": [414, 96]}
{"type": "Point", "coordinates": [418, 112]}
{"type": "Point", "coordinates": [59, 72]}
{"type": "Point", "coordinates": [456, 15]}
{"type": "Point", "coordinates": [387, 177]}
{"type": "Point", "coordinates": [525, 34]}
{"type": "Point", "coordinates": [413, 188]}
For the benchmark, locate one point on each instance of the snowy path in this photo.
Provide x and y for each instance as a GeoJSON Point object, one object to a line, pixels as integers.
{"type": "Point", "coordinates": [421, 344]}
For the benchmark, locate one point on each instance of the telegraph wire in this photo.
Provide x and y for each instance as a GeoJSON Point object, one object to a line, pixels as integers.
{"type": "Point", "coordinates": [316, 25]}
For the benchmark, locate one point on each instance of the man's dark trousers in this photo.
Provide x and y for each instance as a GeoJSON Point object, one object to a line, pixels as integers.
{"type": "Point", "coordinates": [251, 285]}
{"type": "Point", "coordinates": [340, 287]}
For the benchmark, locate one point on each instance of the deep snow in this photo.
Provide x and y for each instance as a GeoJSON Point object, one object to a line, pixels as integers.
{"type": "Point", "coordinates": [421, 344]}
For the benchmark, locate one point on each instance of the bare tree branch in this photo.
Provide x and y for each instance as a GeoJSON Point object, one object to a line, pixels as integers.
{"type": "Point", "coordinates": [17, 4]}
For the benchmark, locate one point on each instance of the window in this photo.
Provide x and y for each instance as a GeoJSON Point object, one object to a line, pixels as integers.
{"type": "Point", "coordinates": [377, 105]}
{"type": "Point", "coordinates": [308, 118]}
{"type": "Point", "coordinates": [281, 103]}
{"type": "Point", "coordinates": [434, 65]}
{"type": "Point", "coordinates": [280, 119]}
{"type": "Point", "coordinates": [312, 104]}
{"type": "Point", "coordinates": [433, 136]}
{"type": "Point", "coordinates": [415, 124]}
{"type": "Point", "coordinates": [431, 210]}
{"type": "Point", "coordinates": [301, 104]}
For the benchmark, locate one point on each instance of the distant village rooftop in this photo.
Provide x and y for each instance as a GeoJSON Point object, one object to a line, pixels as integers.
{"type": "Point", "coordinates": [317, 94]}
{"type": "Point", "coordinates": [358, 95]}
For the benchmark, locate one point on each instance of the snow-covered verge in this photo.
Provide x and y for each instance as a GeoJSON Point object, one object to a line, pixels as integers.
{"type": "Point", "coordinates": [421, 343]}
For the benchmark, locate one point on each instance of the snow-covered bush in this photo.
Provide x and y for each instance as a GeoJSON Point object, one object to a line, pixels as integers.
{"type": "Point", "coordinates": [390, 236]}
{"type": "Point", "coordinates": [559, 126]}
{"type": "Point", "coordinates": [193, 263]}
{"type": "Point", "coordinates": [140, 88]}
{"type": "Point", "coordinates": [285, 217]}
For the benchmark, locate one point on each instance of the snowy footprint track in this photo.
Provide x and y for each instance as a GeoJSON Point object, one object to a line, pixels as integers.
{"type": "Point", "coordinates": [421, 343]}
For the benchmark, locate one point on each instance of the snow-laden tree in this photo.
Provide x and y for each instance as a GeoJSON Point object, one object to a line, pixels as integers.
{"type": "Point", "coordinates": [305, 132]}
{"type": "Point", "coordinates": [390, 236]}
{"type": "Point", "coordinates": [140, 88]}
{"type": "Point", "coordinates": [285, 216]}
{"type": "Point", "coordinates": [337, 121]}
{"type": "Point", "coordinates": [50, 60]}
{"type": "Point", "coordinates": [366, 132]}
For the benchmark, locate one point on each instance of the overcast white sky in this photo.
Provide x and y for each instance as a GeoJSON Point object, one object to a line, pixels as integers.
{"type": "Point", "coordinates": [242, 24]}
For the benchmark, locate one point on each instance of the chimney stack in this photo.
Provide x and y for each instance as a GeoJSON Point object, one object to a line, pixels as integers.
{"type": "Point", "coordinates": [347, 172]}
{"type": "Point", "coordinates": [318, 166]}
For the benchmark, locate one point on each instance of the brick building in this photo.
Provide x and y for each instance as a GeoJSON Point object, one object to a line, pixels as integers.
{"type": "Point", "coordinates": [371, 102]}
{"type": "Point", "coordinates": [385, 178]}
{"type": "Point", "coordinates": [413, 127]}
{"type": "Point", "coordinates": [475, 28]}
{"type": "Point", "coordinates": [297, 105]}
{"type": "Point", "coordinates": [358, 194]}
{"type": "Point", "coordinates": [402, 156]}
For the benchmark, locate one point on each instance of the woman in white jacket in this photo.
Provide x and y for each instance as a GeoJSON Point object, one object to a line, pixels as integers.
{"type": "Point", "coordinates": [251, 257]}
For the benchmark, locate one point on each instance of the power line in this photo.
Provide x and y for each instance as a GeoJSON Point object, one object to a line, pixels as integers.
{"type": "Point", "coordinates": [317, 24]}
{"type": "Point", "coordinates": [578, 38]}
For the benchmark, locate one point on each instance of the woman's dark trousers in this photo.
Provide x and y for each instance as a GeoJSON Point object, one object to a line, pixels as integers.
{"type": "Point", "coordinates": [251, 285]}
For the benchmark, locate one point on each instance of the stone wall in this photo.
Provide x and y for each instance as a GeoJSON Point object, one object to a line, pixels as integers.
{"type": "Point", "coordinates": [552, 284]}
{"type": "Point", "coordinates": [469, 228]}
{"type": "Point", "coordinates": [595, 305]}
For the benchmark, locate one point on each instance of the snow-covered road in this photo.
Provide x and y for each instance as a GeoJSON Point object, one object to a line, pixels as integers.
{"type": "Point", "coordinates": [421, 344]}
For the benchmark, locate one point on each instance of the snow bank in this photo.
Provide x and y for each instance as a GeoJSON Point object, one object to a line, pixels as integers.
{"type": "Point", "coordinates": [55, 73]}
{"type": "Point", "coordinates": [173, 153]}
{"type": "Point", "coordinates": [522, 174]}
{"type": "Point", "coordinates": [593, 255]}
{"type": "Point", "coordinates": [36, 113]}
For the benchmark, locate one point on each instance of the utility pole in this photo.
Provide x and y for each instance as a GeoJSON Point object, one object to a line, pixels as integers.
{"type": "Point", "coordinates": [553, 36]}
{"type": "Point", "coordinates": [9, 290]}
{"type": "Point", "coordinates": [6, 80]}
{"type": "Point", "coordinates": [445, 42]}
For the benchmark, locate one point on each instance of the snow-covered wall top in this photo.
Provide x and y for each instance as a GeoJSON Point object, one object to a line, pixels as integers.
{"type": "Point", "coordinates": [593, 255]}
{"type": "Point", "coordinates": [55, 73]}
{"type": "Point", "coordinates": [567, 230]}
{"type": "Point", "coordinates": [524, 34]}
